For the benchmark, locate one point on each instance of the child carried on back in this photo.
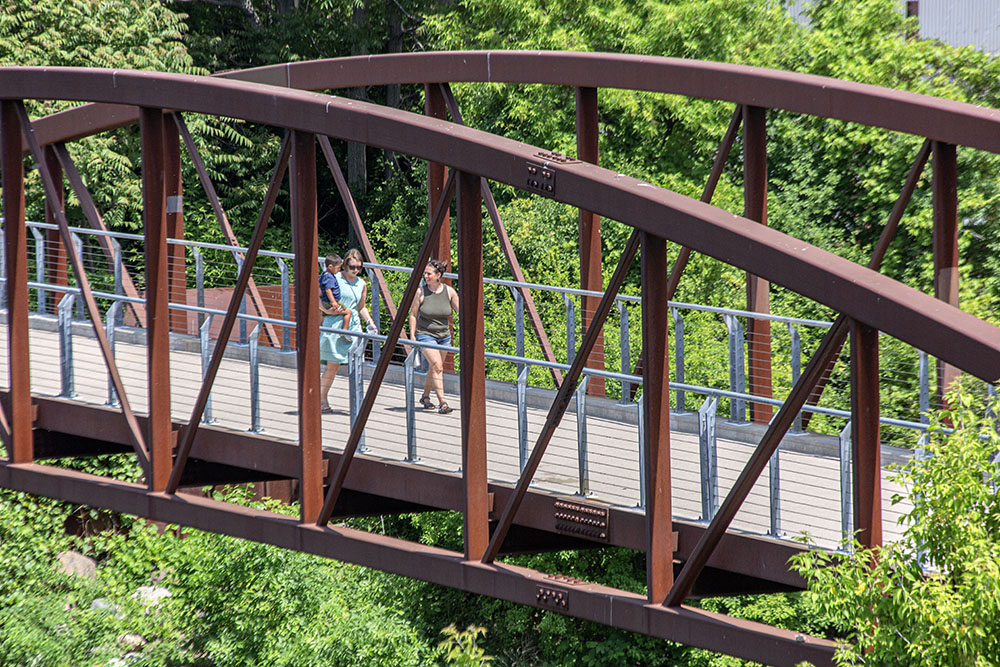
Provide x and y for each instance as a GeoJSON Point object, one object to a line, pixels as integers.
{"type": "Point", "coordinates": [329, 290]}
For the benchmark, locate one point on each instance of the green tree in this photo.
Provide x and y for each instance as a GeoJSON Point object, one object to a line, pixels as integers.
{"type": "Point", "coordinates": [933, 597]}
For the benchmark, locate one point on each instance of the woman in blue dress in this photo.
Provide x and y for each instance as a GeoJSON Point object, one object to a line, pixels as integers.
{"type": "Point", "coordinates": [333, 348]}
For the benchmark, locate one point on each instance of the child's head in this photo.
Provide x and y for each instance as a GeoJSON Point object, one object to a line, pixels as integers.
{"type": "Point", "coordinates": [333, 263]}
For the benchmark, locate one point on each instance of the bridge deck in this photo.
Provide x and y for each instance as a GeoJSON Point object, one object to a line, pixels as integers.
{"type": "Point", "coordinates": [810, 491]}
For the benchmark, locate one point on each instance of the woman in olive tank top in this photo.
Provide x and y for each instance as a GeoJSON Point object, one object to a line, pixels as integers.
{"type": "Point", "coordinates": [433, 305]}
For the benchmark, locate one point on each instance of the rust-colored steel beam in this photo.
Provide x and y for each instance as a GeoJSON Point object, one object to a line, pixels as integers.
{"type": "Point", "coordinates": [55, 252]}
{"type": "Point", "coordinates": [305, 240]}
{"type": "Point", "coordinates": [593, 602]}
{"type": "Point", "coordinates": [898, 209]}
{"type": "Point", "coordinates": [721, 155]}
{"type": "Point", "coordinates": [176, 264]}
{"type": "Point", "coordinates": [562, 398]}
{"type": "Point", "coordinates": [437, 172]}
{"type": "Point", "coordinates": [589, 226]}
{"type": "Point", "coordinates": [944, 184]}
{"type": "Point", "coordinates": [472, 379]}
{"type": "Point", "coordinates": [191, 430]}
{"type": "Point", "coordinates": [508, 251]}
{"type": "Point", "coordinates": [660, 544]}
{"type": "Point", "coordinates": [350, 448]}
{"type": "Point", "coordinates": [83, 283]}
{"type": "Point", "coordinates": [865, 442]}
{"type": "Point", "coordinates": [154, 209]}
{"type": "Point", "coordinates": [360, 233]}
{"type": "Point", "coordinates": [93, 216]}
{"type": "Point", "coordinates": [20, 446]}
{"type": "Point", "coordinates": [758, 289]}
{"type": "Point", "coordinates": [220, 215]}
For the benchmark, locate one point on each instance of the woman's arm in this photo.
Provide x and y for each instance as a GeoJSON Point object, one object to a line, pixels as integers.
{"type": "Point", "coordinates": [363, 306]}
{"type": "Point", "coordinates": [452, 298]}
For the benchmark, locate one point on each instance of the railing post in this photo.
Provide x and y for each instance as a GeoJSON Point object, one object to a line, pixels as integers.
{"type": "Point", "coordinates": [376, 313]}
{"type": "Point", "coordinates": [522, 417]}
{"type": "Point", "coordinates": [846, 505]}
{"type": "Point", "coordinates": [796, 343]}
{"type": "Point", "coordinates": [255, 426]}
{"type": "Point", "coordinates": [411, 416]}
{"type": "Point", "coordinates": [243, 304]}
{"type": "Point", "coordinates": [774, 488]}
{"type": "Point", "coordinates": [679, 357]}
{"type": "Point", "coordinates": [355, 375]}
{"type": "Point", "coordinates": [583, 459]}
{"type": "Point", "coordinates": [737, 377]}
{"type": "Point", "coordinates": [570, 328]}
{"type": "Point", "coordinates": [518, 326]}
{"type": "Point", "coordinates": [41, 304]}
{"type": "Point", "coordinates": [625, 352]}
{"type": "Point", "coordinates": [65, 314]}
{"type": "Point", "coordinates": [286, 310]}
{"type": "Point", "coordinates": [641, 434]}
{"type": "Point", "coordinates": [708, 458]}
{"type": "Point", "coordinates": [111, 320]}
{"type": "Point", "coordinates": [78, 244]}
{"type": "Point", "coordinates": [116, 270]}
{"type": "Point", "coordinates": [924, 376]}
{"type": "Point", "coordinates": [203, 331]}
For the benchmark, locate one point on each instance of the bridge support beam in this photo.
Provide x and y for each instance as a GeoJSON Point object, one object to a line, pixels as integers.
{"type": "Point", "coordinates": [758, 289]}
{"type": "Point", "coordinates": [865, 440]}
{"type": "Point", "coordinates": [20, 448]}
{"type": "Point", "coordinates": [176, 268]}
{"type": "Point", "coordinates": [302, 176]}
{"type": "Point", "coordinates": [473, 371]}
{"type": "Point", "coordinates": [591, 277]}
{"type": "Point", "coordinates": [436, 106]}
{"type": "Point", "coordinates": [944, 184]}
{"type": "Point", "coordinates": [160, 437]}
{"type": "Point", "coordinates": [660, 540]}
{"type": "Point", "coordinates": [56, 261]}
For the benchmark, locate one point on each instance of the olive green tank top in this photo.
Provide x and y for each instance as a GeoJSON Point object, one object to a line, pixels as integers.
{"type": "Point", "coordinates": [432, 318]}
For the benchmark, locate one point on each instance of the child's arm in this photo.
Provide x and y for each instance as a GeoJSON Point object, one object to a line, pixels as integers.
{"type": "Point", "coordinates": [335, 307]}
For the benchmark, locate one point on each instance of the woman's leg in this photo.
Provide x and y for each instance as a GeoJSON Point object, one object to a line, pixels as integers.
{"type": "Point", "coordinates": [326, 381]}
{"type": "Point", "coordinates": [435, 374]}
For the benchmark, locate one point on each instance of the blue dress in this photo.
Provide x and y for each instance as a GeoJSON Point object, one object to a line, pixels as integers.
{"type": "Point", "coordinates": [333, 348]}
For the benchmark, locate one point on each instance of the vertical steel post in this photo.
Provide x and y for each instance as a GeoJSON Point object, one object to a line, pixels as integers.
{"type": "Point", "coordinates": [176, 269]}
{"type": "Point", "coordinates": [583, 462]}
{"type": "Point", "coordinates": [255, 426]}
{"type": "Point", "coordinates": [116, 270]}
{"type": "Point", "coordinates": [243, 304]}
{"type": "Point", "coordinates": [774, 489]}
{"type": "Point", "coordinates": [591, 277]}
{"type": "Point", "coordinates": [41, 300]}
{"type": "Point", "coordinates": [570, 329]}
{"type": "Point", "coordinates": [206, 355]}
{"type": "Point", "coordinates": [411, 410]}
{"type": "Point", "coordinates": [518, 326]}
{"type": "Point", "coordinates": [758, 290]}
{"type": "Point", "coordinates": [944, 184]}
{"type": "Point", "coordinates": [796, 343]}
{"type": "Point", "coordinates": [65, 314]}
{"type": "Point", "coordinates": [21, 448]}
{"type": "Point", "coordinates": [199, 283]}
{"type": "Point", "coordinates": [641, 434]}
{"type": "Point", "coordinates": [708, 457]}
{"type": "Point", "coordinates": [660, 542]}
{"type": "Point", "coordinates": [679, 358]}
{"type": "Point", "coordinates": [625, 352]}
{"type": "Point", "coordinates": [78, 244]}
{"type": "Point", "coordinates": [846, 509]}
{"type": "Point", "coordinates": [159, 429]}
{"type": "Point", "coordinates": [286, 332]}
{"type": "Point", "coordinates": [865, 434]}
{"type": "Point", "coordinates": [355, 381]}
{"type": "Point", "coordinates": [435, 106]}
{"type": "Point", "coordinates": [737, 377]}
{"type": "Point", "coordinates": [472, 379]}
{"type": "Point", "coordinates": [305, 241]}
{"type": "Point", "coordinates": [522, 417]}
{"type": "Point", "coordinates": [924, 379]}
{"type": "Point", "coordinates": [376, 313]}
{"type": "Point", "coordinates": [110, 326]}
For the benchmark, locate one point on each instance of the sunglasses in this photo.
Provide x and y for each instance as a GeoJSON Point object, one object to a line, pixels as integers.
{"type": "Point", "coordinates": [353, 267]}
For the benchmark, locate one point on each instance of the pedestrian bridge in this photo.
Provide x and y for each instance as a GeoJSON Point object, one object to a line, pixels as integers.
{"type": "Point", "coordinates": [585, 417]}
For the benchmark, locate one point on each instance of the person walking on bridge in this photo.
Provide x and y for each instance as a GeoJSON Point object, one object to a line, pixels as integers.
{"type": "Point", "coordinates": [433, 305]}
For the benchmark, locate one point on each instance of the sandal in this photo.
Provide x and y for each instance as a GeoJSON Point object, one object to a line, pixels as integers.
{"type": "Point", "coordinates": [326, 409]}
{"type": "Point", "coordinates": [425, 403]}
{"type": "Point", "coordinates": [444, 408]}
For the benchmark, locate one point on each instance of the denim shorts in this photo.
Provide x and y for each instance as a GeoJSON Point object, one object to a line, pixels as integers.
{"type": "Point", "coordinates": [427, 338]}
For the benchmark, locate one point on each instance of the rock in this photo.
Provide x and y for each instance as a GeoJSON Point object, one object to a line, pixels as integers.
{"type": "Point", "coordinates": [101, 603]}
{"type": "Point", "coordinates": [152, 595]}
{"type": "Point", "coordinates": [132, 641]}
{"type": "Point", "coordinates": [73, 562]}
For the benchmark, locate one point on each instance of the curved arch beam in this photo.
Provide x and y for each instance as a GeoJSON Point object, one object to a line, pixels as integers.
{"type": "Point", "coordinates": [867, 296]}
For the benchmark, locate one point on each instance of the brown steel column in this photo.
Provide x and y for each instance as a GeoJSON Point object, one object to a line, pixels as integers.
{"type": "Point", "coordinates": [944, 184]}
{"type": "Point", "coordinates": [56, 261]}
{"type": "Point", "coordinates": [176, 266]}
{"type": "Point", "coordinates": [154, 205]}
{"type": "Point", "coordinates": [435, 106]}
{"type": "Point", "coordinates": [472, 374]}
{"type": "Point", "coordinates": [305, 243]}
{"type": "Point", "coordinates": [656, 413]}
{"type": "Point", "coordinates": [21, 447]}
{"type": "Point", "coordinates": [758, 296]}
{"type": "Point", "coordinates": [865, 443]}
{"type": "Point", "coordinates": [591, 277]}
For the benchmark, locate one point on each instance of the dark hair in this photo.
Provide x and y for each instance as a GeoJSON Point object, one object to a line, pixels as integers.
{"type": "Point", "coordinates": [333, 259]}
{"type": "Point", "coordinates": [438, 265]}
